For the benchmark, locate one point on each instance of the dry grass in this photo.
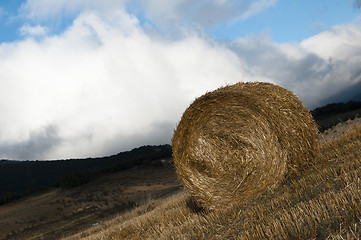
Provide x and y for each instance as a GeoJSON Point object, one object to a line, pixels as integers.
{"type": "Point", "coordinates": [237, 141]}
{"type": "Point", "coordinates": [323, 203]}
{"type": "Point", "coordinates": [59, 213]}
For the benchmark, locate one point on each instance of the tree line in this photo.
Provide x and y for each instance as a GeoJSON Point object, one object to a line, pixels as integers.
{"type": "Point", "coordinates": [19, 178]}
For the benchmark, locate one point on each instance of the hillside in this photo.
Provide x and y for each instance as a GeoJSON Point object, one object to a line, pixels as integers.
{"type": "Point", "coordinates": [334, 113]}
{"type": "Point", "coordinates": [22, 177]}
{"type": "Point", "coordinates": [140, 198]}
{"type": "Point", "coordinates": [323, 203]}
{"type": "Point", "coordinates": [60, 212]}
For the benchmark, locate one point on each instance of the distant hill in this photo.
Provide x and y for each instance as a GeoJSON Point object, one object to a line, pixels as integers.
{"type": "Point", "coordinates": [55, 213]}
{"type": "Point", "coordinates": [21, 177]}
{"type": "Point", "coordinates": [334, 113]}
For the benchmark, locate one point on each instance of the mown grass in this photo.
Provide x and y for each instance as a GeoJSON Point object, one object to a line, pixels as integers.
{"type": "Point", "coordinates": [322, 203]}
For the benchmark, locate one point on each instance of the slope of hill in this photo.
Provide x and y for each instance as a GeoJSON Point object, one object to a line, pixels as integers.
{"type": "Point", "coordinates": [57, 213]}
{"type": "Point", "coordinates": [146, 202]}
{"type": "Point", "coordinates": [21, 177]}
{"type": "Point", "coordinates": [334, 113]}
{"type": "Point", "coordinates": [323, 203]}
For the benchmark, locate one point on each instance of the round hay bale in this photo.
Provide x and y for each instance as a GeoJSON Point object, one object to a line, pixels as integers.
{"type": "Point", "coordinates": [237, 141]}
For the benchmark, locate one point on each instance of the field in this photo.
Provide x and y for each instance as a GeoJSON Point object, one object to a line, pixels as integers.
{"type": "Point", "coordinates": [148, 203]}
{"type": "Point", "coordinates": [323, 203]}
{"type": "Point", "coordinates": [57, 213]}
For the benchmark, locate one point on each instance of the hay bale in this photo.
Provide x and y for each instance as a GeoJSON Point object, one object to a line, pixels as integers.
{"type": "Point", "coordinates": [235, 142]}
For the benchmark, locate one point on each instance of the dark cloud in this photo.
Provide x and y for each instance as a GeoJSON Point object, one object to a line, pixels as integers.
{"type": "Point", "coordinates": [316, 79]}
{"type": "Point", "coordinates": [357, 4]}
{"type": "Point", "coordinates": [352, 92]}
{"type": "Point", "coordinates": [38, 144]}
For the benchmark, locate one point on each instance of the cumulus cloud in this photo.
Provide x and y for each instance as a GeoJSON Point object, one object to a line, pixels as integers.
{"type": "Point", "coordinates": [339, 42]}
{"type": "Point", "coordinates": [107, 86]}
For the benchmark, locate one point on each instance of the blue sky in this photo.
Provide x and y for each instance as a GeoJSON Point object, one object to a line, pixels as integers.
{"type": "Point", "coordinates": [290, 21]}
{"type": "Point", "coordinates": [284, 21]}
{"type": "Point", "coordinates": [87, 78]}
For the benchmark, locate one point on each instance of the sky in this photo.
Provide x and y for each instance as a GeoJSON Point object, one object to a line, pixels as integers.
{"type": "Point", "coordinates": [87, 78]}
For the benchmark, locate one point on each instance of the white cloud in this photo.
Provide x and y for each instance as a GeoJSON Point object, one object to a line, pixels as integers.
{"type": "Point", "coordinates": [34, 31]}
{"type": "Point", "coordinates": [339, 42]}
{"type": "Point", "coordinates": [104, 86]}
